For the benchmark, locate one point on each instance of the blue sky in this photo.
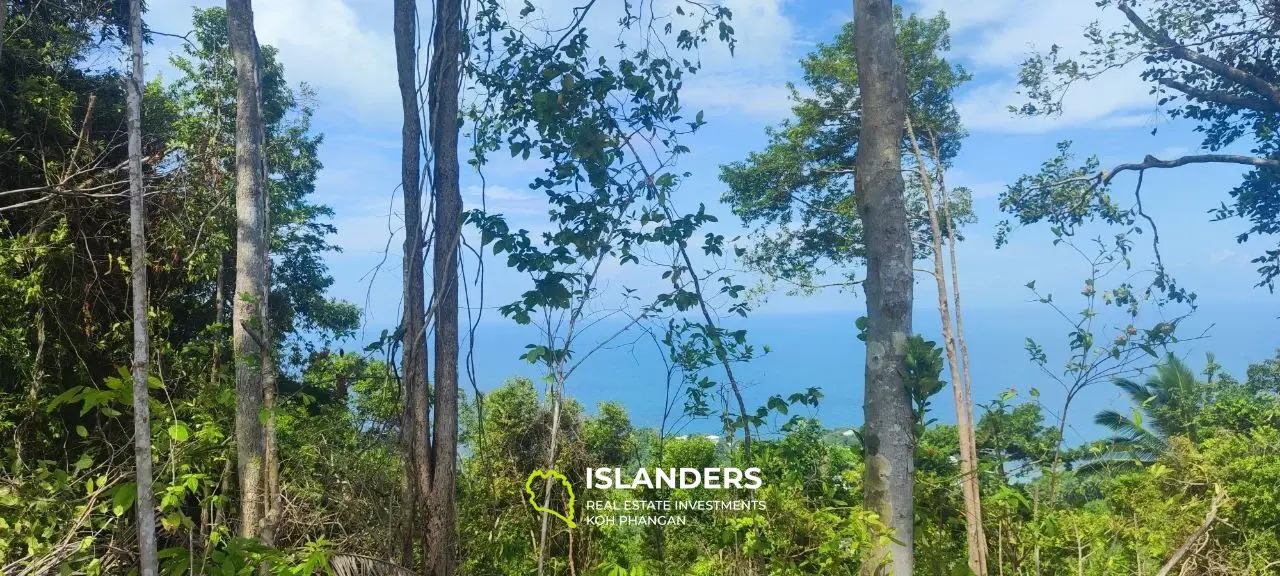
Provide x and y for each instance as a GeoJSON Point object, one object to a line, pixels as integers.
{"type": "Point", "coordinates": [343, 49]}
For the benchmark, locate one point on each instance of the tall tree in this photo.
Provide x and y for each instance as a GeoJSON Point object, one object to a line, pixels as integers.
{"type": "Point", "coordinates": [145, 503]}
{"type": "Point", "coordinates": [934, 124]}
{"type": "Point", "coordinates": [796, 193]}
{"type": "Point", "coordinates": [249, 341]}
{"type": "Point", "coordinates": [4, 15]}
{"type": "Point", "coordinates": [608, 129]}
{"type": "Point", "coordinates": [414, 418]}
{"type": "Point", "coordinates": [889, 434]}
{"type": "Point", "coordinates": [442, 87]}
{"type": "Point", "coordinates": [974, 535]}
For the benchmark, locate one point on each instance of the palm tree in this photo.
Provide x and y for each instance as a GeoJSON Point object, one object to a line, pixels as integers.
{"type": "Point", "coordinates": [1165, 405]}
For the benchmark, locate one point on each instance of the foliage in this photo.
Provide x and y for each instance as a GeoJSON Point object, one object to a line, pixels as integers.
{"type": "Point", "coordinates": [1212, 63]}
{"type": "Point", "coordinates": [1189, 444]}
{"type": "Point", "coordinates": [63, 256]}
{"type": "Point", "coordinates": [797, 194]}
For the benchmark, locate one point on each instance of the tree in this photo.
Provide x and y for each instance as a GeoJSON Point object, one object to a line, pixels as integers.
{"type": "Point", "coordinates": [889, 435]}
{"type": "Point", "coordinates": [1166, 405]}
{"type": "Point", "coordinates": [796, 194]}
{"type": "Point", "coordinates": [4, 15]}
{"type": "Point", "coordinates": [608, 130]}
{"type": "Point", "coordinates": [443, 84]}
{"type": "Point", "coordinates": [415, 420]}
{"type": "Point", "coordinates": [1013, 436]}
{"type": "Point", "coordinates": [934, 80]}
{"type": "Point", "coordinates": [145, 504]}
{"type": "Point", "coordinates": [1212, 63]}
{"type": "Point", "coordinates": [248, 338]}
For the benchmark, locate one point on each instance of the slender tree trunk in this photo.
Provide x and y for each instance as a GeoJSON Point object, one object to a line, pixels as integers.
{"type": "Point", "coordinates": [271, 456]}
{"type": "Point", "coordinates": [271, 449]}
{"type": "Point", "coordinates": [145, 503]}
{"type": "Point", "coordinates": [955, 286]}
{"type": "Point", "coordinates": [967, 389]}
{"type": "Point", "coordinates": [721, 353]}
{"type": "Point", "coordinates": [974, 536]}
{"type": "Point", "coordinates": [218, 296]}
{"type": "Point", "coordinates": [443, 86]}
{"type": "Point", "coordinates": [248, 339]}
{"type": "Point", "coordinates": [4, 15]}
{"type": "Point", "coordinates": [556, 390]}
{"type": "Point", "coordinates": [37, 361]}
{"type": "Point", "coordinates": [889, 437]}
{"type": "Point", "coordinates": [414, 420]}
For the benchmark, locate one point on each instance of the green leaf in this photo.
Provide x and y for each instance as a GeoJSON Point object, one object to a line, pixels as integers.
{"type": "Point", "coordinates": [178, 431]}
{"type": "Point", "coordinates": [124, 498]}
{"type": "Point", "coordinates": [82, 432]}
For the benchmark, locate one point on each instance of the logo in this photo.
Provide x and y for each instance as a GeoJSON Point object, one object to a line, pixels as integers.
{"type": "Point", "coordinates": [549, 475]}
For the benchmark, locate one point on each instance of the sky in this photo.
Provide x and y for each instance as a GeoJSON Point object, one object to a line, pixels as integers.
{"type": "Point", "coordinates": [343, 49]}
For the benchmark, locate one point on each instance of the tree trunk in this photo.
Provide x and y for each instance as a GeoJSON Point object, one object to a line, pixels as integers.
{"type": "Point", "coordinates": [443, 87]}
{"type": "Point", "coordinates": [974, 535]}
{"type": "Point", "coordinates": [4, 15]}
{"type": "Point", "coordinates": [889, 422]}
{"type": "Point", "coordinates": [955, 288]}
{"type": "Point", "coordinates": [248, 339]}
{"type": "Point", "coordinates": [967, 389]}
{"type": "Point", "coordinates": [414, 419]}
{"type": "Point", "coordinates": [557, 388]}
{"type": "Point", "coordinates": [145, 503]}
{"type": "Point", "coordinates": [271, 456]}
{"type": "Point", "coordinates": [218, 296]}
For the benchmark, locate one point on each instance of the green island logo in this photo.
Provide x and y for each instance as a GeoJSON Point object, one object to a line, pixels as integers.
{"type": "Point", "coordinates": [550, 474]}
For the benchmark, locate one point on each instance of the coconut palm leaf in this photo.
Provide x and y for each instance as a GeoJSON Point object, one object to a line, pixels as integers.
{"type": "Point", "coordinates": [1165, 405]}
{"type": "Point", "coordinates": [357, 565]}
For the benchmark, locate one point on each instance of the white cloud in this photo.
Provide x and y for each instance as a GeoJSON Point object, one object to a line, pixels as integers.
{"type": "Point", "coordinates": [1118, 98]}
{"type": "Point", "coordinates": [975, 14]}
{"type": "Point", "coordinates": [994, 37]}
{"type": "Point", "coordinates": [749, 82]}
{"type": "Point", "coordinates": [738, 95]}
{"type": "Point", "coordinates": [321, 42]}
{"type": "Point", "coordinates": [1221, 256]}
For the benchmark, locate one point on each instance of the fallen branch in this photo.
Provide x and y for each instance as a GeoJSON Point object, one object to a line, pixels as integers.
{"type": "Point", "coordinates": [1181, 552]}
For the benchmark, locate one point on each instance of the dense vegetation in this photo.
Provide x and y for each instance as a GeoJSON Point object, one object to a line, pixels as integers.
{"type": "Point", "coordinates": [1188, 483]}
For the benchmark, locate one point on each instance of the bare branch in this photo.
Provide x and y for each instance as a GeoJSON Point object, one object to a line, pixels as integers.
{"type": "Point", "coordinates": [1150, 161]}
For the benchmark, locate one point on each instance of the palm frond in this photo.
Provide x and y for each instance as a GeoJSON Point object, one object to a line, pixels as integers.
{"type": "Point", "coordinates": [1139, 393]}
{"type": "Point", "coordinates": [358, 565]}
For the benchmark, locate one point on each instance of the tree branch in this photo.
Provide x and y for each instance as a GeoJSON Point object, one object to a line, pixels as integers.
{"type": "Point", "coordinates": [1222, 97]}
{"type": "Point", "coordinates": [1181, 552]}
{"type": "Point", "coordinates": [1150, 161]}
{"type": "Point", "coordinates": [1266, 89]}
